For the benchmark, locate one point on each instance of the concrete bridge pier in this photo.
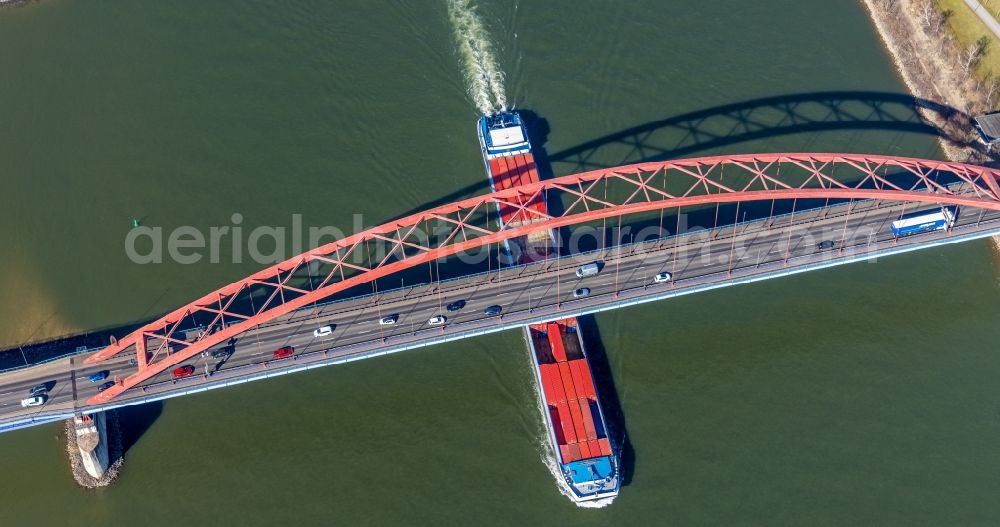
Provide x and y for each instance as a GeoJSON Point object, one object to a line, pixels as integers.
{"type": "Point", "coordinates": [92, 442]}
{"type": "Point", "coordinates": [94, 452]}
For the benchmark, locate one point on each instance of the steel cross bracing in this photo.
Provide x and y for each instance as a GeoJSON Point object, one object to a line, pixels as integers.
{"type": "Point", "coordinates": [471, 224]}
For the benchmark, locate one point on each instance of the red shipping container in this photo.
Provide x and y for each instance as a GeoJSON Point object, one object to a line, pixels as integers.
{"type": "Point", "coordinates": [605, 446]}
{"type": "Point", "coordinates": [588, 419]}
{"type": "Point", "coordinates": [582, 379]}
{"type": "Point", "coordinates": [555, 341]}
{"type": "Point", "coordinates": [567, 381]}
{"type": "Point", "coordinates": [551, 383]}
{"type": "Point", "coordinates": [578, 428]}
{"type": "Point", "coordinates": [574, 452]}
{"type": "Point", "coordinates": [566, 422]}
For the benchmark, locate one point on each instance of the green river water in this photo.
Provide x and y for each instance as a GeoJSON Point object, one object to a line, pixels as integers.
{"type": "Point", "coordinates": [864, 394]}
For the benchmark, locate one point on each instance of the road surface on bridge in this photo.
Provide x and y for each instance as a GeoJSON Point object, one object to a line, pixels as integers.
{"type": "Point", "coordinates": [528, 294]}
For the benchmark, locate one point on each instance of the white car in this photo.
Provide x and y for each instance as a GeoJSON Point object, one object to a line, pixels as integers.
{"type": "Point", "coordinates": [662, 277]}
{"type": "Point", "coordinates": [437, 320]}
{"type": "Point", "coordinates": [389, 320]}
{"type": "Point", "coordinates": [323, 331]}
{"type": "Point", "coordinates": [582, 292]}
{"type": "Point", "coordinates": [37, 400]}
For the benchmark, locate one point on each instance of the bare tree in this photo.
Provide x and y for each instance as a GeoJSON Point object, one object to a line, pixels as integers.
{"type": "Point", "coordinates": [887, 5]}
{"type": "Point", "coordinates": [991, 90]}
{"type": "Point", "coordinates": [941, 20]}
{"type": "Point", "coordinates": [972, 54]}
{"type": "Point", "coordinates": [928, 17]}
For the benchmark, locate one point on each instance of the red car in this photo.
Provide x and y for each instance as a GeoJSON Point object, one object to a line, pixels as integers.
{"type": "Point", "coordinates": [283, 352]}
{"type": "Point", "coordinates": [183, 371]}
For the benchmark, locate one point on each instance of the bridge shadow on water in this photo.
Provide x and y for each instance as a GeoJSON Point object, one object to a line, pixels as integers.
{"type": "Point", "coordinates": [134, 421]}
{"type": "Point", "coordinates": [711, 129]}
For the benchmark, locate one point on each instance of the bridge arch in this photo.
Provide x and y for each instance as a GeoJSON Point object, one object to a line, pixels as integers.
{"type": "Point", "coordinates": [471, 224]}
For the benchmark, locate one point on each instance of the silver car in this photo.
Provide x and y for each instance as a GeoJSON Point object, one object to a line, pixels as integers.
{"type": "Point", "coordinates": [589, 269]}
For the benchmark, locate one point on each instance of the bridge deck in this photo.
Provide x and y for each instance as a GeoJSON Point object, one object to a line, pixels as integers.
{"type": "Point", "coordinates": [531, 293]}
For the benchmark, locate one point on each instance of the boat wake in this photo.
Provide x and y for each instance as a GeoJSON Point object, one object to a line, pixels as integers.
{"type": "Point", "coordinates": [484, 77]}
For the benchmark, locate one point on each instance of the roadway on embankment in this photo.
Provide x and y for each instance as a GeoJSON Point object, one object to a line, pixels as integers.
{"type": "Point", "coordinates": [528, 294]}
{"type": "Point", "coordinates": [988, 20]}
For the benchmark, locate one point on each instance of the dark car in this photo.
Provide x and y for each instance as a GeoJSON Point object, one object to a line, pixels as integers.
{"type": "Point", "coordinates": [221, 353]}
{"type": "Point", "coordinates": [281, 353]}
{"type": "Point", "coordinates": [105, 386]}
{"type": "Point", "coordinates": [456, 305]}
{"type": "Point", "coordinates": [825, 244]}
{"type": "Point", "coordinates": [99, 376]}
{"type": "Point", "coordinates": [493, 310]}
{"type": "Point", "coordinates": [38, 390]}
{"type": "Point", "coordinates": [183, 371]}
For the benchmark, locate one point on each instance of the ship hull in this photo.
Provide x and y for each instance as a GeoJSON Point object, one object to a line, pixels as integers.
{"type": "Point", "coordinates": [586, 458]}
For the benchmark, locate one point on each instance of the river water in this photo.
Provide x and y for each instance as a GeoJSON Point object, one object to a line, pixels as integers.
{"type": "Point", "coordinates": [861, 394]}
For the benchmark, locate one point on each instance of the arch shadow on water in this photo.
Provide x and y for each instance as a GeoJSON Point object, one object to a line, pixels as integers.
{"type": "Point", "coordinates": [717, 127]}
{"type": "Point", "coordinates": [756, 119]}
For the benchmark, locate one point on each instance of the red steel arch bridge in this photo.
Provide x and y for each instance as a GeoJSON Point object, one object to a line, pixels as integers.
{"type": "Point", "coordinates": [471, 224]}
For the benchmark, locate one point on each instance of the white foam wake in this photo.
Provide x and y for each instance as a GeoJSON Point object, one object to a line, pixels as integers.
{"type": "Point", "coordinates": [483, 76]}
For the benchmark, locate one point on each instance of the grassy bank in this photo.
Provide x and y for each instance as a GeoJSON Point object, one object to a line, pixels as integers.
{"type": "Point", "coordinates": [966, 28]}
{"type": "Point", "coordinates": [993, 6]}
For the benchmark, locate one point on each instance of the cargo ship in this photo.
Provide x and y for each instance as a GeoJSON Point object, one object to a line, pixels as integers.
{"type": "Point", "coordinates": [509, 161]}
{"type": "Point", "coordinates": [587, 459]}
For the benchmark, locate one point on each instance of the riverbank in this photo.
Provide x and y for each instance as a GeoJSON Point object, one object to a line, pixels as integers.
{"type": "Point", "coordinates": [928, 60]}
